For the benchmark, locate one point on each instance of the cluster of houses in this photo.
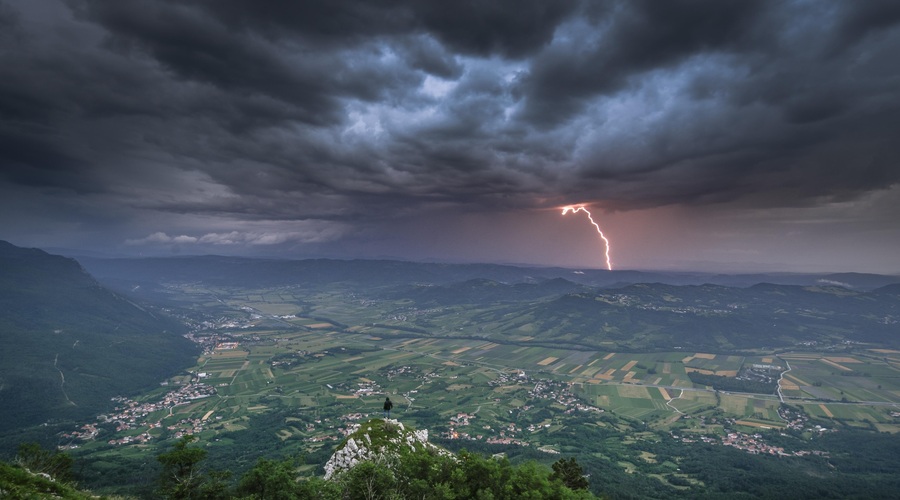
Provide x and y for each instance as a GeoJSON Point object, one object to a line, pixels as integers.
{"type": "Point", "coordinates": [138, 439]}
{"type": "Point", "coordinates": [507, 378]}
{"type": "Point", "coordinates": [413, 313]}
{"type": "Point", "coordinates": [130, 415]}
{"type": "Point", "coordinates": [399, 371]}
{"type": "Point", "coordinates": [798, 421]}
{"type": "Point", "coordinates": [364, 388]}
{"type": "Point", "coordinates": [350, 425]}
{"type": "Point", "coordinates": [208, 341]}
{"type": "Point", "coordinates": [561, 393]}
{"type": "Point", "coordinates": [637, 302]}
{"type": "Point", "coordinates": [186, 427]}
{"type": "Point", "coordinates": [753, 444]}
{"type": "Point", "coordinates": [86, 432]}
{"type": "Point", "coordinates": [461, 420]}
{"type": "Point", "coordinates": [543, 389]}
{"type": "Point", "coordinates": [507, 436]}
{"type": "Point", "coordinates": [330, 436]}
{"type": "Point", "coordinates": [367, 388]}
{"type": "Point", "coordinates": [506, 440]}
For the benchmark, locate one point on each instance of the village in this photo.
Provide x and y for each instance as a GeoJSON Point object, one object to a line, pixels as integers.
{"type": "Point", "coordinates": [755, 443]}
{"type": "Point", "coordinates": [129, 415]}
{"type": "Point", "coordinates": [544, 390]}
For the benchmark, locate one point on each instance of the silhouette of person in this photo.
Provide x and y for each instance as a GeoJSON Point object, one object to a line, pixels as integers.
{"type": "Point", "coordinates": [387, 407]}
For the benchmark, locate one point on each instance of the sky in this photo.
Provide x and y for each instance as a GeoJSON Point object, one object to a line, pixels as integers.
{"type": "Point", "coordinates": [701, 135]}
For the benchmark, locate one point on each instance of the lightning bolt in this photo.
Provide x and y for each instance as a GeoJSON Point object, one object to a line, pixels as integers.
{"type": "Point", "coordinates": [580, 208]}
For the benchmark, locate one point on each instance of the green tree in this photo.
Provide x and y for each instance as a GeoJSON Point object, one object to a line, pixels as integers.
{"type": "Point", "coordinates": [216, 485]}
{"type": "Point", "coordinates": [182, 476]}
{"type": "Point", "coordinates": [570, 473]}
{"type": "Point", "coordinates": [478, 477]}
{"type": "Point", "coordinates": [316, 488]}
{"type": "Point", "coordinates": [529, 481]}
{"type": "Point", "coordinates": [271, 480]}
{"type": "Point", "coordinates": [369, 480]}
{"type": "Point", "coordinates": [426, 475]}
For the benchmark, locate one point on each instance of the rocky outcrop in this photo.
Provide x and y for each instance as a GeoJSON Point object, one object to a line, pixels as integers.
{"type": "Point", "coordinates": [377, 439]}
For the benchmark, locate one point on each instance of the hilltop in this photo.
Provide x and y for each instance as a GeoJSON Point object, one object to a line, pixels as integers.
{"type": "Point", "coordinates": [380, 440]}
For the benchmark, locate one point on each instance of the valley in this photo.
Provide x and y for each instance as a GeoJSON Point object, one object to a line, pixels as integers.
{"type": "Point", "coordinates": [285, 371]}
{"type": "Point", "coordinates": [688, 389]}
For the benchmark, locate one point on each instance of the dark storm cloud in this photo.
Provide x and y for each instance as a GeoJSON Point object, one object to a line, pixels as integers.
{"type": "Point", "coordinates": [858, 20]}
{"type": "Point", "coordinates": [426, 54]}
{"type": "Point", "coordinates": [630, 38]}
{"type": "Point", "coordinates": [196, 48]}
{"type": "Point", "coordinates": [510, 28]}
{"type": "Point", "coordinates": [789, 114]}
{"type": "Point", "coordinates": [367, 110]}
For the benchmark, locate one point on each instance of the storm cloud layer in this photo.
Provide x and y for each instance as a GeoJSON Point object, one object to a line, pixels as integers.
{"type": "Point", "coordinates": [332, 127]}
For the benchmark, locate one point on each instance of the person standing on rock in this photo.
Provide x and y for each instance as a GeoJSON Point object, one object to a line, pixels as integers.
{"type": "Point", "coordinates": [387, 407]}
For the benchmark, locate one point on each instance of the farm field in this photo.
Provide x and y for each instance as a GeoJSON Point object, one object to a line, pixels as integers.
{"type": "Point", "coordinates": [328, 353]}
{"type": "Point", "coordinates": [858, 377]}
{"type": "Point", "coordinates": [323, 380]}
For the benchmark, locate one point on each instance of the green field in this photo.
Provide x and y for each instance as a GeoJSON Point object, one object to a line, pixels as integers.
{"type": "Point", "coordinates": [332, 354]}
{"type": "Point", "coordinates": [335, 374]}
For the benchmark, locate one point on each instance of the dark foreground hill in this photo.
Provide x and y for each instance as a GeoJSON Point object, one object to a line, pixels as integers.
{"type": "Point", "coordinates": [381, 459]}
{"type": "Point", "coordinates": [69, 344]}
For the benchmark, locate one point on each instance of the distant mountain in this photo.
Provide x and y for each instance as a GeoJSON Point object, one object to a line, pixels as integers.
{"type": "Point", "coordinates": [484, 291]}
{"type": "Point", "coordinates": [69, 344]}
{"type": "Point", "coordinates": [717, 318]}
{"type": "Point", "coordinates": [654, 316]}
{"type": "Point", "coordinates": [625, 310]}
{"type": "Point", "coordinates": [249, 273]}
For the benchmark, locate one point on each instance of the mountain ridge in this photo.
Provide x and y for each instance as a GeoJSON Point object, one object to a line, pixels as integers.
{"type": "Point", "coordinates": [268, 272]}
{"type": "Point", "coordinates": [70, 343]}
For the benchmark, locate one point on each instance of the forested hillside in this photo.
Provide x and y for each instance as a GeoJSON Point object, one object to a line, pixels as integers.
{"type": "Point", "coordinates": [69, 344]}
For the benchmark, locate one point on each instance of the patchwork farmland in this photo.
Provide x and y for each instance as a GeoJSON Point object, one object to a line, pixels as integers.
{"type": "Point", "coordinates": [482, 389]}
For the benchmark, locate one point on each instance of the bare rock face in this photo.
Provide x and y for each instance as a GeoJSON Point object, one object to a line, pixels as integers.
{"type": "Point", "coordinates": [377, 439]}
